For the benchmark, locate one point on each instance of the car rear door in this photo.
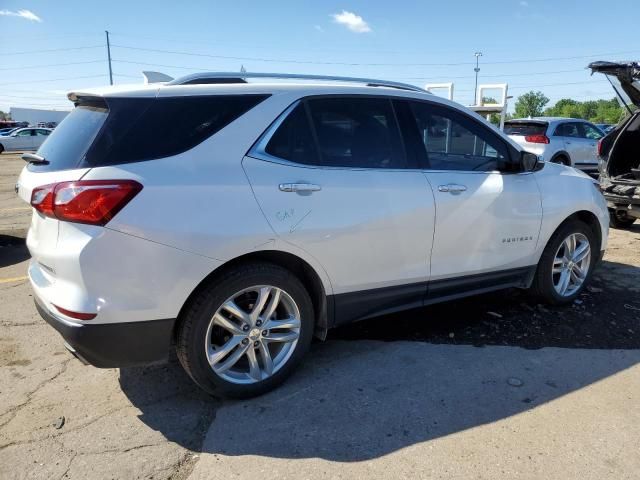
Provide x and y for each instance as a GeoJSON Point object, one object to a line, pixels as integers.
{"type": "Point", "coordinates": [570, 135]}
{"type": "Point", "coordinates": [332, 179]}
{"type": "Point", "coordinates": [41, 136]}
{"type": "Point", "coordinates": [487, 214]}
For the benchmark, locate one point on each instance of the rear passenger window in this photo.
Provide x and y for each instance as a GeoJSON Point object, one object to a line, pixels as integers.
{"type": "Point", "coordinates": [357, 132]}
{"type": "Point", "coordinates": [293, 139]}
{"type": "Point", "coordinates": [567, 130]}
{"type": "Point", "coordinates": [454, 142]}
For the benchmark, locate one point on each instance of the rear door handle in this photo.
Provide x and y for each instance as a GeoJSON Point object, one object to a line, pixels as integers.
{"type": "Point", "coordinates": [452, 188]}
{"type": "Point", "coordinates": [299, 187]}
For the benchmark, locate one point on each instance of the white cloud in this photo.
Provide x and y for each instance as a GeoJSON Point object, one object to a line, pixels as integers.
{"type": "Point", "coordinates": [319, 28]}
{"type": "Point", "coordinates": [524, 3]}
{"type": "Point", "coordinates": [26, 14]}
{"type": "Point", "coordinates": [353, 22]}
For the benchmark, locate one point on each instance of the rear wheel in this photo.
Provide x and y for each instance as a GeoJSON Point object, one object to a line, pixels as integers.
{"type": "Point", "coordinates": [566, 263]}
{"type": "Point", "coordinates": [563, 160]}
{"type": "Point", "coordinates": [618, 219]}
{"type": "Point", "coordinates": [245, 332]}
{"type": "Point", "coordinates": [1, 148]}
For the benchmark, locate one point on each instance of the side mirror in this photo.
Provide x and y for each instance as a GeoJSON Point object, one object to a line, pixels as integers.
{"type": "Point", "coordinates": [529, 162]}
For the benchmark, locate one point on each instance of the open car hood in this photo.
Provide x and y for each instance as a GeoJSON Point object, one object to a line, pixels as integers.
{"type": "Point", "coordinates": [627, 74]}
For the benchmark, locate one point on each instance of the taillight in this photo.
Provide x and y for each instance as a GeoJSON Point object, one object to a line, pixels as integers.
{"type": "Point", "coordinates": [600, 147]}
{"type": "Point", "coordinates": [537, 139]}
{"type": "Point", "coordinates": [94, 202]}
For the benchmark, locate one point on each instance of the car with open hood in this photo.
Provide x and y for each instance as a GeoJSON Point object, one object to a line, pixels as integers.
{"type": "Point", "coordinates": [619, 151]}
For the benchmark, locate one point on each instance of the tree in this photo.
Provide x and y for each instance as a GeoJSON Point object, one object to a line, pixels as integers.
{"type": "Point", "coordinates": [596, 111]}
{"type": "Point", "coordinates": [531, 104]}
{"type": "Point", "coordinates": [4, 116]}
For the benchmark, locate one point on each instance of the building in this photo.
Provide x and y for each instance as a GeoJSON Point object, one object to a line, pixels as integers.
{"type": "Point", "coordinates": [35, 116]}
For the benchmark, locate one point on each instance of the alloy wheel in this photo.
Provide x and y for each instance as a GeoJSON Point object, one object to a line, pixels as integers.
{"type": "Point", "coordinates": [571, 264]}
{"type": "Point", "coordinates": [253, 334]}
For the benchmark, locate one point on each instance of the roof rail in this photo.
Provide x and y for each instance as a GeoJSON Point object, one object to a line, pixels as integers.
{"type": "Point", "coordinates": [236, 77]}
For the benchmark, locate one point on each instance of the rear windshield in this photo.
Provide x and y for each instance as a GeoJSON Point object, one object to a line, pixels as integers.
{"type": "Point", "coordinates": [70, 140]}
{"type": "Point", "coordinates": [125, 130]}
{"type": "Point", "coordinates": [523, 128]}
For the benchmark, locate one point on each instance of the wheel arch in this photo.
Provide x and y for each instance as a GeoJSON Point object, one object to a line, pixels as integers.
{"type": "Point", "coordinates": [587, 217]}
{"type": "Point", "coordinates": [322, 303]}
{"type": "Point", "coordinates": [561, 153]}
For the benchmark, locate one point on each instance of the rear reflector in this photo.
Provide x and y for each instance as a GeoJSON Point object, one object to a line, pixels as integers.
{"type": "Point", "coordinates": [537, 139]}
{"type": "Point", "coordinates": [76, 315]}
{"type": "Point", "coordinates": [93, 202]}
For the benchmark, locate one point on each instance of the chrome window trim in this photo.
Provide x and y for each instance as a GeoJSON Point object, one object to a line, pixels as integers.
{"type": "Point", "coordinates": [259, 152]}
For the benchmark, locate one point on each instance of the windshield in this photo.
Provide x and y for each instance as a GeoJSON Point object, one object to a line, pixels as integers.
{"type": "Point", "coordinates": [67, 145]}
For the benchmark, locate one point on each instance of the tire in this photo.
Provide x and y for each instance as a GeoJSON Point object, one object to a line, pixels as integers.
{"type": "Point", "coordinates": [620, 219]}
{"type": "Point", "coordinates": [1, 148]}
{"type": "Point", "coordinates": [561, 159]}
{"type": "Point", "coordinates": [546, 282]}
{"type": "Point", "coordinates": [200, 337]}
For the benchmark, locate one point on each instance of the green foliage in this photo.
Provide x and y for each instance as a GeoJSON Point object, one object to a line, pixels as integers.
{"type": "Point", "coordinates": [596, 111]}
{"type": "Point", "coordinates": [530, 104]}
{"type": "Point", "coordinates": [4, 116]}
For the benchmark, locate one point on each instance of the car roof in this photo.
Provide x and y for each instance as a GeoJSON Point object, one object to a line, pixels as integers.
{"type": "Point", "coordinates": [546, 120]}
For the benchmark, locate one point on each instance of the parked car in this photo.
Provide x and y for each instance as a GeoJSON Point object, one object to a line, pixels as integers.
{"type": "Point", "coordinates": [569, 141]}
{"type": "Point", "coordinates": [620, 149]}
{"type": "Point", "coordinates": [7, 131]}
{"type": "Point", "coordinates": [605, 127]}
{"type": "Point", "coordinates": [237, 220]}
{"type": "Point", "coordinates": [23, 139]}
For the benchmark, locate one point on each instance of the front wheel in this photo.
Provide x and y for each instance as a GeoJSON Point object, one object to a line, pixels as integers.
{"type": "Point", "coordinates": [566, 263]}
{"type": "Point", "coordinates": [246, 331]}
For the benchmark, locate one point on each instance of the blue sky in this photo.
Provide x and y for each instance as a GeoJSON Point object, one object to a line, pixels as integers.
{"type": "Point", "coordinates": [532, 45]}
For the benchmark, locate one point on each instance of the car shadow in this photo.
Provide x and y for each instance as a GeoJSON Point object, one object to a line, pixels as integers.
{"type": "Point", "coordinates": [388, 383]}
{"type": "Point", "coordinates": [12, 250]}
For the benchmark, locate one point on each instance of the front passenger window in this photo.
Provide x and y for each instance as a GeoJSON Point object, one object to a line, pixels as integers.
{"type": "Point", "coordinates": [453, 142]}
{"type": "Point", "coordinates": [591, 132]}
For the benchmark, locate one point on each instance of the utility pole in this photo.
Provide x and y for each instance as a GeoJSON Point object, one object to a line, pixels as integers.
{"type": "Point", "coordinates": [477, 70]}
{"type": "Point", "coordinates": [109, 58]}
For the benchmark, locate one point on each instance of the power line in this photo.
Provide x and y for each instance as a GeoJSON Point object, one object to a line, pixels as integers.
{"type": "Point", "coordinates": [51, 80]}
{"type": "Point", "coordinates": [52, 50]}
{"type": "Point", "coordinates": [314, 62]}
{"type": "Point", "coordinates": [52, 65]}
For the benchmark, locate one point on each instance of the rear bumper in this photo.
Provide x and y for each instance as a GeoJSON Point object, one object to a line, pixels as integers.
{"type": "Point", "coordinates": [114, 345]}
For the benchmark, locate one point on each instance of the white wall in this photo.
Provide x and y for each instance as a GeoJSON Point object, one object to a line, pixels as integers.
{"type": "Point", "coordinates": [33, 115]}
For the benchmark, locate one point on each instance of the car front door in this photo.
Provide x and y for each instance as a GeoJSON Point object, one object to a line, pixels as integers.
{"type": "Point", "coordinates": [22, 140]}
{"type": "Point", "coordinates": [487, 214]}
{"type": "Point", "coordinates": [332, 179]}
{"type": "Point", "coordinates": [589, 136]}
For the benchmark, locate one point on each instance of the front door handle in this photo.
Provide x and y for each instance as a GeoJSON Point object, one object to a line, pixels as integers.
{"type": "Point", "coordinates": [452, 188]}
{"type": "Point", "coordinates": [299, 187]}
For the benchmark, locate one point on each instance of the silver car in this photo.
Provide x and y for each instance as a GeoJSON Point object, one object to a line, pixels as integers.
{"type": "Point", "coordinates": [569, 141]}
{"type": "Point", "coordinates": [24, 139]}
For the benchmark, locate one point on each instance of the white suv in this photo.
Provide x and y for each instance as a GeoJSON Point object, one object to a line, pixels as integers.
{"type": "Point", "coordinates": [237, 220]}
